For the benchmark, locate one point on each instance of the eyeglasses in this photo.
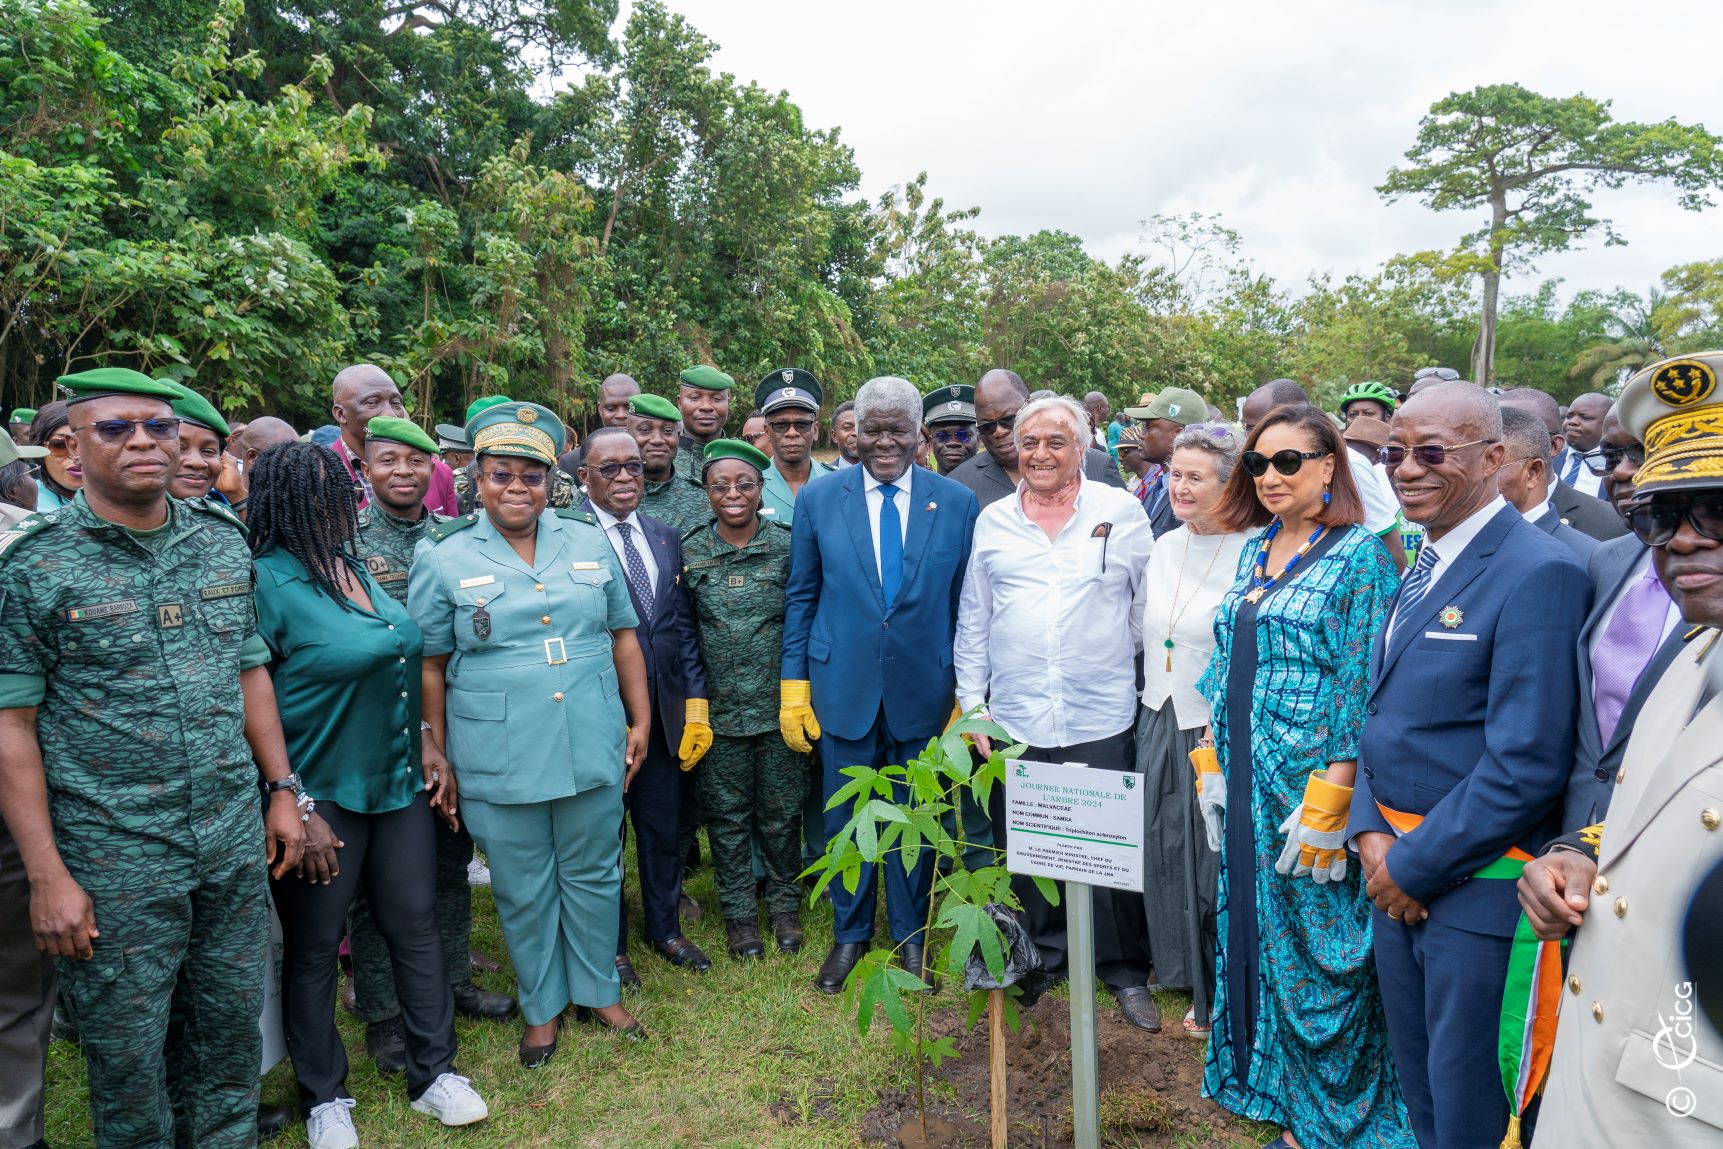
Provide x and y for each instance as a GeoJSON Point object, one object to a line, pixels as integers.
{"type": "Point", "coordinates": [955, 435]}
{"type": "Point", "coordinates": [610, 470]}
{"type": "Point", "coordinates": [1439, 372]}
{"type": "Point", "coordinates": [1426, 454]}
{"type": "Point", "coordinates": [1657, 521]}
{"type": "Point", "coordinates": [533, 479]}
{"type": "Point", "coordinates": [754, 438]}
{"type": "Point", "coordinates": [1006, 422]}
{"type": "Point", "coordinates": [784, 426]}
{"type": "Point", "coordinates": [163, 430]}
{"type": "Point", "coordinates": [740, 486]}
{"type": "Point", "coordinates": [59, 445]}
{"type": "Point", "coordinates": [1603, 460]}
{"type": "Point", "coordinates": [1287, 462]}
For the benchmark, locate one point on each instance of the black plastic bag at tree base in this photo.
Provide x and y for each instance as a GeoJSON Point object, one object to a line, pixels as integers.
{"type": "Point", "coordinates": [1023, 965]}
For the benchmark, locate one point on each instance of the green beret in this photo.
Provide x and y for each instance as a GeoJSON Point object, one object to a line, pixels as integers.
{"type": "Point", "coordinates": [953, 404]}
{"type": "Point", "coordinates": [1676, 410]}
{"type": "Point", "coordinates": [653, 407]}
{"type": "Point", "coordinates": [403, 431]}
{"type": "Point", "coordinates": [23, 415]}
{"type": "Point", "coordinates": [788, 387]}
{"type": "Point", "coordinates": [735, 449]}
{"type": "Point", "coordinates": [518, 430]}
{"type": "Point", "coordinates": [194, 408]}
{"type": "Point", "coordinates": [478, 405]}
{"type": "Point", "coordinates": [105, 381]}
{"type": "Point", "coordinates": [707, 378]}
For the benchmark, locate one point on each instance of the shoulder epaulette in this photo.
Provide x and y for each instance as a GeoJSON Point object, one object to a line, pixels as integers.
{"type": "Point", "coordinates": [23, 529]}
{"type": "Point", "coordinates": [437, 532]}
{"type": "Point", "coordinates": [780, 524]}
{"type": "Point", "coordinates": [692, 531]}
{"type": "Point", "coordinates": [577, 515]}
{"type": "Point", "coordinates": [1694, 633]}
{"type": "Point", "coordinates": [219, 509]}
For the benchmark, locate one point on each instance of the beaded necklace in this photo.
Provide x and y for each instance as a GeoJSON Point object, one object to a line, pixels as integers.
{"type": "Point", "coordinates": [1260, 583]}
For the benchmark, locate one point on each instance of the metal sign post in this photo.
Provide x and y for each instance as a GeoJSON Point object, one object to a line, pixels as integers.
{"type": "Point", "coordinates": [1083, 827]}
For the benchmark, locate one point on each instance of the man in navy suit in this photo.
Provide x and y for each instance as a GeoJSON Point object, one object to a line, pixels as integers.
{"type": "Point", "coordinates": [1524, 480]}
{"type": "Point", "coordinates": [876, 571]}
{"type": "Point", "coordinates": [651, 557]}
{"type": "Point", "coordinates": [1466, 750]}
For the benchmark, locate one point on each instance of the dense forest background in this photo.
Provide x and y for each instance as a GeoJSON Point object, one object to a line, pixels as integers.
{"type": "Point", "coordinates": [496, 196]}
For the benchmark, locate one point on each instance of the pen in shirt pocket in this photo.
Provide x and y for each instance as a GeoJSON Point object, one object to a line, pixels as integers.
{"type": "Point", "coordinates": [1104, 532]}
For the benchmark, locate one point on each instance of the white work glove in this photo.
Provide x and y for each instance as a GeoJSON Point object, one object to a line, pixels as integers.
{"type": "Point", "coordinates": [1211, 794]}
{"type": "Point", "coordinates": [1316, 832]}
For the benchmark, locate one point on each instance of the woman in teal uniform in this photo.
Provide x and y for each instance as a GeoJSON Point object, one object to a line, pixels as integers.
{"type": "Point", "coordinates": [530, 660]}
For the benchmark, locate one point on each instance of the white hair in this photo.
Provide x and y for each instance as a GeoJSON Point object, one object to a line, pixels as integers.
{"type": "Point", "coordinates": [888, 393]}
{"type": "Point", "coordinates": [1058, 407]}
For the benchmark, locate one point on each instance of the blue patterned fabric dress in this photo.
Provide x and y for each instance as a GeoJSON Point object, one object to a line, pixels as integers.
{"type": "Point", "coordinates": [1299, 1036]}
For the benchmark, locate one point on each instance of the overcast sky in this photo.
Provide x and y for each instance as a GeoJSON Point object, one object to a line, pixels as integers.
{"type": "Point", "coordinates": [1091, 115]}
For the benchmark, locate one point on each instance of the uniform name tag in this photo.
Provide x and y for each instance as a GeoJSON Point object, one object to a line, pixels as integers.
{"type": "Point", "coordinates": [390, 576]}
{"type": "Point", "coordinates": [102, 610]}
{"type": "Point", "coordinates": [482, 580]}
{"type": "Point", "coordinates": [169, 615]}
{"type": "Point", "coordinates": [585, 566]}
{"type": "Point", "coordinates": [225, 590]}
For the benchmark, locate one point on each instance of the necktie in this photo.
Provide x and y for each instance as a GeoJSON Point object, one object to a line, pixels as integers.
{"type": "Point", "coordinates": [1634, 632]}
{"type": "Point", "coordinates": [890, 544]}
{"type": "Point", "coordinates": [1416, 586]}
{"type": "Point", "coordinates": [1574, 463]}
{"type": "Point", "coordinates": [637, 580]}
{"type": "Point", "coordinates": [1157, 495]}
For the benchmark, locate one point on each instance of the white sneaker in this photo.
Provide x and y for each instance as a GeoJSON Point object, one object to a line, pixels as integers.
{"type": "Point", "coordinates": [452, 1100]}
{"type": "Point", "coordinates": [478, 874]}
{"type": "Point", "coordinates": [330, 1125]}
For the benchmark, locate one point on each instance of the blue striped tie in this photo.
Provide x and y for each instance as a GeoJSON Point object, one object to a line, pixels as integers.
{"type": "Point", "coordinates": [1416, 586]}
{"type": "Point", "coordinates": [1573, 465]}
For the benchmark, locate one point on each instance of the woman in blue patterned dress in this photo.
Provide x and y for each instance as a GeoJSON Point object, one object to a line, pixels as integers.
{"type": "Point", "coordinates": [1299, 1036]}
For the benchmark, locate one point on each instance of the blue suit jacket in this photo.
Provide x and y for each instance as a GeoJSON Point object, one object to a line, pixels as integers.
{"type": "Point", "coordinates": [1471, 725]}
{"type": "Point", "coordinates": [838, 634]}
{"type": "Point", "coordinates": [669, 643]}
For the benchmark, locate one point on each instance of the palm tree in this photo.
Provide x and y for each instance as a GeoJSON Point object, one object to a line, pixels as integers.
{"type": "Point", "coordinates": [1636, 342]}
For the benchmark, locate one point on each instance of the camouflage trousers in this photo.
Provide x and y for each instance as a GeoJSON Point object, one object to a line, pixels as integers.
{"type": "Point", "coordinates": [373, 976]}
{"type": "Point", "coordinates": [168, 1006]}
{"type": "Point", "coordinates": [751, 788]}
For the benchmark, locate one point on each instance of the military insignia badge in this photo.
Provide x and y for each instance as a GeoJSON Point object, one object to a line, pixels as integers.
{"type": "Point", "coordinates": [1684, 382]}
{"type": "Point", "coordinates": [1451, 617]}
{"type": "Point", "coordinates": [789, 392]}
{"type": "Point", "coordinates": [526, 415]}
{"type": "Point", "coordinates": [481, 622]}
{"type": "Point", "coordinates": [1172, 410]}
{"type": "Point", "coordinates": [788, 376]}
{"type": "Point", "coordinates": [954, 405]}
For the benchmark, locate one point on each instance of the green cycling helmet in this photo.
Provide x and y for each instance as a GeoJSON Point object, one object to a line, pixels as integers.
{"type": "Point", "coordinates": [1375, 392]}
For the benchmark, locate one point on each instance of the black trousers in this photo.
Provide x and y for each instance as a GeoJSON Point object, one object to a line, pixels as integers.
{"type": "Point", "coordinates": [1119, 960]}
{"type": "Point", "coordinates": [26, 1006]}
{"type": "Point", "coordinates": [653, 802]}
{"type": "Point", "coordinates": [394, 856]}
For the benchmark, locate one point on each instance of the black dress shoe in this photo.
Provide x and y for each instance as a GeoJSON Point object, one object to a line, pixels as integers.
{"type": "Point", "coordinates": [625, 971]}
{"type": "Point", "coordinates": [682, 952]}
{"type": "Point", "coordinates": [912, 956]}
{"type": "Point", "coordinates": [632, 1032]}
{"type": "Point", "coordinates": [743, 939]}
{"type": "Point", "coordinates": [1137, 1005]}
{"type": "Point", "coordinates": [787, 929]}
{"type": "Point", "coordinates": [533, 1056]}
{"type": "Point", "coordinates": [837, 966]}
{"type": "Point", "coordinates": [386, 1042]}
{"type": "Point", "coordinates": [471, 1001]}
{"type": "Point", "coordinates": [272, 1119]}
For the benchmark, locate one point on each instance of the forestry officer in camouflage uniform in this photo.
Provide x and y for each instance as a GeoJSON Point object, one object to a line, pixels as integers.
{"type": "Point", "coordinates": [669, 496]}
{"type": "Point", "coordinates": [133, 702]}
{"type": "Point", "coordinates": [397, 461]}
{"type": "Point", "coordinates": [703, 402]}
{"type": "Point", "coordinates": [751, 784]}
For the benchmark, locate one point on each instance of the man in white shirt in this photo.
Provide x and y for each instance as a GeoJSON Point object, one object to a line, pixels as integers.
{"type": "Point", "coordinates": [1365, 437]}
{"type": "Point", "coordinates": [1583, 428]}
{"type": "Point", "coordinates": [1044, 640]}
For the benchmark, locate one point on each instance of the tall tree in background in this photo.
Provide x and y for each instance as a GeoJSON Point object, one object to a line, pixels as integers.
{"type": "Point", "coordinates": [1533, 161]}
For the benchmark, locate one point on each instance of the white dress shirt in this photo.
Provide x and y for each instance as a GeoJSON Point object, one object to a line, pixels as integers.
{"type": "Point", "coordinates": [1539, 511]}
{"type": "Point", "coordinates": [608, 521]}
{"type": "Point", "coordinates": [1381, 508]}
{"type": "Point", "coordinates": [1582, 479]}
{"type": "Point", "coordinates": [1045, 630]}
{"type": "Point", "coordinates": [876, 503]}
{"type": "Point", "coordinates": [1450, 547]}
{"type": "Point", "coordinates": [1186, 576]}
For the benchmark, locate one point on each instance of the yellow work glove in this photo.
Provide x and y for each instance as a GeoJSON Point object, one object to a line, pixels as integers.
{"type": "Point", "coordinates": [1211, 794]}
{"type": "Point", "coordinates": [796, 721]}
{"type": "Point", "coordinates": [696, 732]}
{"type": "Point", "coordinates": [956, 713]}
{"type": "Point", "coordinates": [1316, 832]}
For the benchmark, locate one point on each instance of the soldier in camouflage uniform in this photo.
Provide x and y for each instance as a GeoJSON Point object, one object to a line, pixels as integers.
{"type": "Point", "coordinates": [133, 703]}
{"type": "Point", "coordinates": [398, 457]}
{"type": "Point", "coordinates": [703, 405]}
{"type": "Point", "coordinates": [751, 785]}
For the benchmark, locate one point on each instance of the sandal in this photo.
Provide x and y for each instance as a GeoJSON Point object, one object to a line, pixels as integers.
{"type": "Point", "coordinates": [1191, 1026]}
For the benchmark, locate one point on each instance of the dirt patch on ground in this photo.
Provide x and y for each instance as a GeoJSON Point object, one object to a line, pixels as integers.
{"type": "Point", "coordinates": [1151, 1088]}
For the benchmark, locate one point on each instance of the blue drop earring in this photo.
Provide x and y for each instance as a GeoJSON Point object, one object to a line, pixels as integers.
{"type": "Point", "coordinates": [1326, 497]}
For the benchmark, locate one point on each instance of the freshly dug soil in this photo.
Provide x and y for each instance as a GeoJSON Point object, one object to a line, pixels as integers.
{"type": "Point", "coordinates": [1151, 1088]}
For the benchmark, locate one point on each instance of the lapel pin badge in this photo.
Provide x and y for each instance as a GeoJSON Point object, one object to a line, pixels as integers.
{"type": "Point", "coordinates": [1452, 617]}
{"type": "Point", "coordinates": [933, 506]}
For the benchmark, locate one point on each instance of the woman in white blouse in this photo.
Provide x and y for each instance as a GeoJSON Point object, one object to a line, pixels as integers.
{"type": "Point", "coordinates": [1188, 572]}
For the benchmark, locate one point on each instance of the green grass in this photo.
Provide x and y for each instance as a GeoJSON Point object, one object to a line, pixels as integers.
{"type": "Point", "coordinates": [748, 1056]}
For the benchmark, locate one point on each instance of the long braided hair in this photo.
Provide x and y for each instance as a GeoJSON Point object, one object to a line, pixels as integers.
{"type": "Point", "coordinates": [302, 501]}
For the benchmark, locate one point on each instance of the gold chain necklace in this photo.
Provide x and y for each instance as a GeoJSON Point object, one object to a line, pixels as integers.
{"type": "Point", "coordinates": [1176, 612]}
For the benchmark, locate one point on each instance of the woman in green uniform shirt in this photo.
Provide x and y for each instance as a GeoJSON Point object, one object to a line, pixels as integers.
{"type": "Point", "coordinates": [530, 658]}
{"type": "Point", "coordinates": [344, 660]}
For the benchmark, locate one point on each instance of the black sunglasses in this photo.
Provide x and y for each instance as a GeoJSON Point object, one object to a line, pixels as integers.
{"type": "Point", "coordinates": [1603, 460]}
{"type": "Point", "coordinates": [784, 426]}
{"type": "Point", "coordinates": [1007, 422]}
{"type": "Point", "coordinates": [1426, 454]}
{"type": "Point", "coordinates": [610, 470]}
{"type": "Point", "coordinates": [1657, 521]}
{"type": "Point", "coordinates": [956, 435]}
{"type": "Point", "coordinates": [162, 430]}
{"type": "Point", "coordinates": [1287, 462]}
{"type": "Point", "coordinates": [533, 479]}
